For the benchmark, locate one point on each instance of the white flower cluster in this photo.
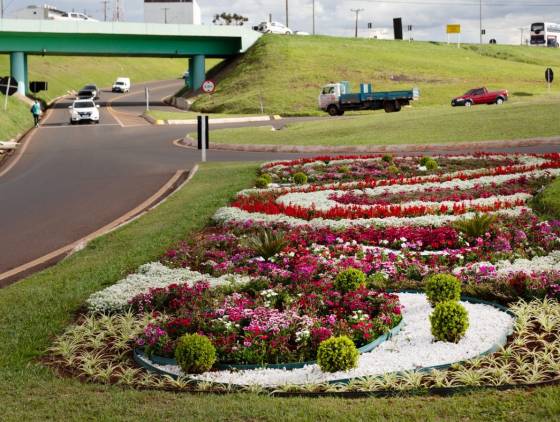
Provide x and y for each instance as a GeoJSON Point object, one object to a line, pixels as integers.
{"type": "Point", "coordinates": [151, 276]}
{"type": "Point", "coordinates": [321, 202]}
{"type": "Point", "coordinates": [502, 269]}
{"type": "Point", "coordinates": [236, 215]}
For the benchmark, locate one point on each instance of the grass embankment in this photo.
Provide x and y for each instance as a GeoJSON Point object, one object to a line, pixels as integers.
{"type": "Point", "coordinates": [34, 310]}
{"type": "Point", "coordinates": [286, 73]}
{"type": "Point", "coordinates": [421, 126]}
{"type": "Point", "coordinates": [71, 73]}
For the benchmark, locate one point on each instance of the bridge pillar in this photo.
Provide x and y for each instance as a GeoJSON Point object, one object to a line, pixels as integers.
{"type": "Point", "coordinates": [18, 69]}
{"type": "Point", "coordinates": [197, 71]}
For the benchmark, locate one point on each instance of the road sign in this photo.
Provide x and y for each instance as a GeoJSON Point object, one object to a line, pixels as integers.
{"type": "Point", "coordinates": [38, 86]}
{"type": "Point", "coordinates": [549, 75]}
{"type": "Point", "coordinates": [209, 86]}
{"type": "Point", "coordinates": [454, 29]}
{"type": "Point", "coordinates": [8, 84]}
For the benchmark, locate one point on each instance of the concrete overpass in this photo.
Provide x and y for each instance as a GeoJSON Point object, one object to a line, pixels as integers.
{"type": "Point", "coordinates": [19, 38]}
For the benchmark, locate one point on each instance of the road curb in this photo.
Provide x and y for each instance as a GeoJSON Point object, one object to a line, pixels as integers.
{"type": "Point", "coordinates": [168, 189]}
{"type": "Point", "coordinates": [190, 142]}
{"type": "Point", "coordinates": [215, 121]}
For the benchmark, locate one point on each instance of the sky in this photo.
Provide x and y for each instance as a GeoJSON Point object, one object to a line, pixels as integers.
{"type": "Point", "coordinates": [502, 19]}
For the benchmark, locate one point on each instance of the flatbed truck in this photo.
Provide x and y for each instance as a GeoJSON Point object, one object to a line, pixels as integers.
{"type": "Point", "coordinates": [336, 98]}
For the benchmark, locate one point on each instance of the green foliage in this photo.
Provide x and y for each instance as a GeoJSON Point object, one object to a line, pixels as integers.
{"type": "Point", "coordinates": [344, 169]}
{"type": "Point", "coordinates": [475, 226]}
{"type": "Point", "coordinates": [195, 354]}
{"type": "Point", "coordinates": [261, 182]}
{"type": "Point", "coordinates": [393, 169]}
{"type": "Point", "coordinates": [377, 281]}
{"type": "Point", "coordinates": [337, 354]}
{"type": "Point", "coordinates": [414, 272]}
{"type": "Point", "coordinates": [450, 321]}
{"type": "Point", "coordinates": [431, 164]}
{"type": "Point", "coordinates": [267, 176]}
{"type": "Point", "coordinates": [442, 287]}
{"type": "Point", "coordinates": [424, 160]}
{"type": "Point", "coordinates": [547, 202]}
{"type": "Point", "coordinates": [267, 242]}
{"type": "Point", "coordinates": [349, 279]}
{"type": "Point", "coordinates": [388, 158]}
{"type": "Point", "coordinates": [300, 178]}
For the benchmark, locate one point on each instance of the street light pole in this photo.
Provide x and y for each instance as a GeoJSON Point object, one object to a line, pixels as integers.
{"type": "Point", "coordinates": [165, 9]}
{"type": "Point", "coordinates": [287, 14]}
{"type": "Point", "coordinates": [480, 21]}
{"type": "Point", "coordinates": [357, 12]}
{"type": "Point", "coordinates": [1, 9]}
{"type": "Point", "coordinates": [313, 3]}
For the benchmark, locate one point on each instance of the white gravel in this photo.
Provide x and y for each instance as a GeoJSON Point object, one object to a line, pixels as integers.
{"type": "Point", "coordinates": [413, 348]}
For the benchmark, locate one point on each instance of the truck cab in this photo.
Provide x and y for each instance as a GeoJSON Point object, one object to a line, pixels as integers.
{"type": "Point", "coordinates": [330, 95]}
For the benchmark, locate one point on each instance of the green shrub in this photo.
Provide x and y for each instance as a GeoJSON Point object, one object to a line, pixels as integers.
{"type": "Point", "coordinates": [261, 182]}
{"type": "Point", "coordinates": [300, 178]}
{"type": "Point", "coordinates": [442, 287]}
{"type": "Point", "coordinates": [476, 226]}
{"type": "Point", "coordinates": [267, 176]}
{"type": "Point", "coordinates": [195, 354]}
{"type": "Point", "coordinates": [393, 169]}
{"type": "Point", "coordinates": [449, 321]}
{"type": "Point", "coordinates": [388, 158]}
{"type": "Point", "coordinates": [431, 164]}
{"type": "Point", "coordinates": [267, 242]}
{"type": "Point", "coordinates": [377, 281]}
{"type": "Point", "coordinates": [349, 279]}
{"type": "Point", "coordinates": [344, 169]}
{"type": "Point", "coordinates": [337, 354]}
{"type": "Point", "coordinates": [424, 160]}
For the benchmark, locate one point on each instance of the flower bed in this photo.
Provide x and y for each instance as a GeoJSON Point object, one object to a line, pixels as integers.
{"type": "Point", "coordinates": [289, 266]}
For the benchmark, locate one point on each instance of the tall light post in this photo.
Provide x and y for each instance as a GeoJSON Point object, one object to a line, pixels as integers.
{"type": "Point", "coordinates": [480, 21]}
{"type": "Point", "coordinates": [165, 9]}
{"type": "Point", "coordinates": [522, 30]}
{"type": "Point", "coordinates": [287, 14]}
{"type": "Point", "coordinates": [313, 7]}
{"type": "Point", "coordinates": [357, 12]}
{"type": "Point", "coordinates": [1, 9]}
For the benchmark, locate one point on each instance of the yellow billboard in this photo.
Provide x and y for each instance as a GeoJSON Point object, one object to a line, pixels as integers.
{"type": "Point", "coordinates": [454, 29]}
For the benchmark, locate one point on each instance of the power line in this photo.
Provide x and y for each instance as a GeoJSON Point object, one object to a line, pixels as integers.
{"type": "Point", "coordinates": [357, 12]}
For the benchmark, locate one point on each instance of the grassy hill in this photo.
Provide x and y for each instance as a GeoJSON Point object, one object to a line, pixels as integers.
{"type": "Point", "coordinates": [67, 73]}
{"type": "Point", "coordinates": [287, 72]}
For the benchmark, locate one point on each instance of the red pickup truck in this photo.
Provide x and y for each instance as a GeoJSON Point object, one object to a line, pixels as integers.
{"type": "Point", "coordinates": [480, 96]}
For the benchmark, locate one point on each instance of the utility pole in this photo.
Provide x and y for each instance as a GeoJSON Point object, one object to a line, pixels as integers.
{"type": "Point", "coordinates": [105, 5]}
{"type": "Point", "coordinates": [165, 9]}
{"type": "Point", "coordinates": [357, 12]}
{"type": "Point", "coordinates": [522, 34]}
{"type": "Point", "coordinates": [1, 9]}
{"type": "Point", "coordinates": [313, 2]}
{"type": "Point", "coordinates": [287, 19]}
{"type": "Point", "coordinates": [480, 20]}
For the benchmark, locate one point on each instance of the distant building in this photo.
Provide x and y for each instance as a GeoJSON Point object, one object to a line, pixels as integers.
{"type": "Point", "coordinates": [46, 12]}
{"type": "Point", "coordinates": [172, 11]}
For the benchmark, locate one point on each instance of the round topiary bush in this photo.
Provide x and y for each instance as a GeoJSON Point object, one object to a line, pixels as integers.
{"type": "Point", "coordinates": [424, 160]}
{"type": "Point", "coordinates": [261, 182]}
{"type": "Point", "coordinates": [388, 158]}
{"type": "Point", "coordinates": [449, 321]}
{"type": "Point", "coordinates": [267, 176]}
{"type": "Point", "coordinates": [195, 354]}
{"type": "Point", "coordinates": [442, 287]}
{"type": "Point", "coordinates": [337, 354]}
{"type": "Point", "coordinates": [431, 164]}
{"type": "Point", "coordinates": [300, 178]}
{"type": "Point", "coordinates": [393, 169]}
{"type": "Point", "coordinates": [349, 279]}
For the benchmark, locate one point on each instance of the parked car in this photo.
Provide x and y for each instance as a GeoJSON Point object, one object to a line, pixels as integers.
{"type": "Point", "coordinates": [273, 28]}
{"type": "Point", "coordinates": [85, 94]}
{"type": "Point", "coordinates": [93, 88]}
{"type": "Point", "coordinates": [121, 85]}
{"type": "Point", "coordinates": [84, 110]}
{"type": "Point", "coordinates": [480, 96]}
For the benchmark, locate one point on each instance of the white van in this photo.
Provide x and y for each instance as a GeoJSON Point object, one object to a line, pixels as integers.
{"type": "Point", "coordinates": [121, 85]}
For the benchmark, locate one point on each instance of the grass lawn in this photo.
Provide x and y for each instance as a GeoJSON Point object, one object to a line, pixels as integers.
{"type": "Point", "coordinates": [441, 124]}
{"type": "Point", "coordinates": [34, 310]}
{"type": "Point", "coordinates": [548, 201]}
{"type": "Point", "coordinates": [286, 73]}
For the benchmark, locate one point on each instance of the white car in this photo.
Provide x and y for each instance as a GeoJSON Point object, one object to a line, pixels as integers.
{"type": "Point", "coordinates": [273, 28]}
{"type": "Point", "coordinates": [121, 85]}
{"type": "Point", "coordinates": [84, 110]}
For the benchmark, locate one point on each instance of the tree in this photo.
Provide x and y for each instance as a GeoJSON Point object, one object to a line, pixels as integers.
{"type": "Point", "coordinates": [229, 19]}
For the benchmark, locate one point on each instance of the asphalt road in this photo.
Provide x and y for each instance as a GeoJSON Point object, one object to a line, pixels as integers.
{"type": "Point", "coordinates": [68, 181]}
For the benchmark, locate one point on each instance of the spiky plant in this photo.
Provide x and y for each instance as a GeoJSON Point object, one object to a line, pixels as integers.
{"type": "Point", "coordinates": [476, 226]}
{"type": "Point", "coordinates": [267, 242]}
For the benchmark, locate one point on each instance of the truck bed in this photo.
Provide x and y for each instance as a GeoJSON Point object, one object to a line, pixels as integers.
{"type": "Point", "coordinates": [377, 96]}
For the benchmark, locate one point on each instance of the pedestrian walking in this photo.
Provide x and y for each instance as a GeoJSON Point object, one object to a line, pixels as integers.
{"type": "Point", "coordinates": [36, 111]}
